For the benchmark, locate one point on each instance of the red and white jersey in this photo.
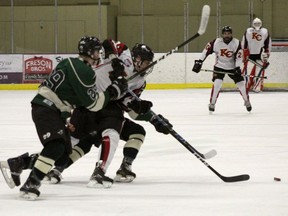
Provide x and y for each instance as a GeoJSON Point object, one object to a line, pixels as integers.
{"type": "Point", "coordinates": [103, 71]}
{"type": "Point", "coordinates": [254, 40]}
{"type": "Point", "coordinates": [228, 56]}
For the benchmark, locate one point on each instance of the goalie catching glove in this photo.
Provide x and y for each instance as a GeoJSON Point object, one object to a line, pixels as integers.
{"type": "Point", "coordinates": [140, 107]}
{"type": "Point", "coordinates": [197, 66]}
{"type": "Point", "coordinates": [161, 125]}
{"type": "Point", "coordinates": [118, 88]}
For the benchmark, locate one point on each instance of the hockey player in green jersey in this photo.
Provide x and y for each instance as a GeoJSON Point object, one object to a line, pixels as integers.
{"type": "Point", "coordinates": [71, 84]}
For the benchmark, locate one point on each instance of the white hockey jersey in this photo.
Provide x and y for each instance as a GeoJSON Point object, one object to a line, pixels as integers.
{"type": "Point", "coordinates": [103, 71]}
{"type": "Point", "coordinates": [254, 40]}
{"type": "Point", "coordinates": [228, 56]}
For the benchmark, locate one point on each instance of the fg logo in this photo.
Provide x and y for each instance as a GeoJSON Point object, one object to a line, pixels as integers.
{"type": "Point", "coordinates": [47, 135]}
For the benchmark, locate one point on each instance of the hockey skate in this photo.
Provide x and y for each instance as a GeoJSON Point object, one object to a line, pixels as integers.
{"type": "Point", "coordinates": [211, 107]}
{"type": "Point", "coordinates": [124, 174]}
{"type": "Point", "coordinates": [29, 191]}
{"type": "Point", "coordinates": [53, 176]}
{"type": "Point", "coordinates": [99, 180]}
{"type": "Point", "coordinates": [12, 168]}
{"type": "Point", "coordinates": [248, 105]}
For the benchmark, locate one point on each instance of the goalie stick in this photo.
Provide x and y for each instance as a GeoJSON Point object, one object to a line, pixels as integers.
{"type": "Point", "coordinates": [202, 28]}
{"type": "Point", "coordinates": [224, 72]}
{"type": "Point", "coordinates": [197, 154]}
{"type": "Point", "coordinates": [263, 67]}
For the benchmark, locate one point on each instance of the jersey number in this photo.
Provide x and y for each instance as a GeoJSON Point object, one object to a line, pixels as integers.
{"type": "Point", "coordinates": [55, 79]}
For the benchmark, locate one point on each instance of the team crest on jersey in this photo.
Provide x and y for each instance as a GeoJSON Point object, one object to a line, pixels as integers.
{"type": "Point", "coordinates": [226, 52]}
{"type": "Point", "coordinates": [256, 36]}
{"type": "Point", "coordinates": [92, 92]}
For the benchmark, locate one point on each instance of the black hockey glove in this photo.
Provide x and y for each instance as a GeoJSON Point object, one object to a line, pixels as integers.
{"type": "Point", "coordinates": [118, 87]}
{"type": "Point", "coordinates": [140, 107]}
{"type": "Point", "coordinates": [197, 66]}
{"type": "Point", "coordinates": [110, 49]}
{"type": "Point", "coordinates": [118, 69]}
{"type": "Point", "coordinates": [237, 71]}
{"type": "Point", "coordinates": [79, 119]}
{"type": "Point", "coordinates": [159, 125]}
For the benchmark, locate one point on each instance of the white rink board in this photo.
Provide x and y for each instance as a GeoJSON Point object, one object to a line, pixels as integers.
{"type": "Point", "coordinates": [177, 68]}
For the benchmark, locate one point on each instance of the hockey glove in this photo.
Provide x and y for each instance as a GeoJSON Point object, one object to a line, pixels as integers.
{"type": "Point", "coordinates": [110, 49]}
{"type": "Point", "coordinates": [237, 71]}
{"type": "Point", "coordinates": [118, 87]}
{"type": "Point", "coordinates": [159, 125]}
{"type": "Point", "coordinates": [118, 69]}
{"type": "Point", "coordinates": [197, 66]}
{"type": "Point", "coordinates": [77, 124]}
{"type": "Point", "coordinates": [140, 107]}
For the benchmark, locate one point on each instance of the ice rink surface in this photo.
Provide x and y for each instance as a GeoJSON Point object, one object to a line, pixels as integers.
{"type": "Point", "coordinates": [170, 180]}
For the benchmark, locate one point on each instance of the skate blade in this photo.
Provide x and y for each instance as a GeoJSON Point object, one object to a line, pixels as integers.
{"type": "Point", "coordinates": [122, 179]}
{"type": "Point", "coordinates": [7, 174]}
{"type": "Point", "coordinates": [51, 180]}
{"type": "Point", "coordinates": [95, 184]}
{"type": "Point", "coordinates": [27, 196]}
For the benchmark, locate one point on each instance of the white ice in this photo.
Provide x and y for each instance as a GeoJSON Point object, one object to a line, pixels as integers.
{"type": "Point", "coordinates": [170, 180]}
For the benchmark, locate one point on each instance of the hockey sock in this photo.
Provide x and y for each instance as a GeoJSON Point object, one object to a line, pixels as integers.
{"type": "Point", "coordinates": [215, 90]}
{"type": "Point", "coordinates": [51, 152]}
{"type": "Point", "coordinates": [242, 89]}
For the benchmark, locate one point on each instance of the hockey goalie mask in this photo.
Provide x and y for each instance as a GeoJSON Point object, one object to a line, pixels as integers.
{"type": "Point", "coordinates": [142, 56]}
{"type": "Point", "coordinates": [257, 23]}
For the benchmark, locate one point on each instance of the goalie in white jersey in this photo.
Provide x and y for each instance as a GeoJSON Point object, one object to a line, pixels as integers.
{"type": "Point", "coordinates": [256, 44]}
{"type": "Point", "coordinates": [228, 60]}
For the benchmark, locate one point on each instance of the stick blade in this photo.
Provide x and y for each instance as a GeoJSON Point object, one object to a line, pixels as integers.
{"type": "Point", "coordinates": [210, 154]}
{"type": "Point", "coordinates": [238, 178]}
{"type": "Point", "coordinates": [204, 19]}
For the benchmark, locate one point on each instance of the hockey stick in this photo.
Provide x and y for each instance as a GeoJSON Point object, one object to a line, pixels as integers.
{"type": "Point", "coordinates": [202, 28]}
{"type": "Point", "coordinates": [223, 72]}
{"type": "Point", "coordinates": [207, 155]}
{"type": "Point", "coordinates": [263, 67]}
{"type": "Point", "coordinates": [197, 154]}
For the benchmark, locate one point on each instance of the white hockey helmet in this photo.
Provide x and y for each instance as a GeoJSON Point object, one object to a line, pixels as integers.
{"type": "Point", "coordinates": [257, 23]}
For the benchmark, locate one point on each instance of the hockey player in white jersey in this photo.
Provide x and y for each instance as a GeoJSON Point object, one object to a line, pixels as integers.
{"type": "Point", "coordinates": [256, 44]}
{"type": "Point", "coordinates": [228, 59]}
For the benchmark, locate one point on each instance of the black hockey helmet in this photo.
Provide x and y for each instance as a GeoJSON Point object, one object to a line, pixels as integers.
{"type": "Point", "coordinates": [226, 29]}
{"type": "Point", "coordinates": [88, 45]}
{"type": "Point", "coordinates": [143, 51]}
{"type": "Point", "coordinates": [142, 56]}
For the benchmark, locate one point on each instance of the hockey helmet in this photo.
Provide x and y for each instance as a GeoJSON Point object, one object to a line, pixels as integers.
{"type": "Point", "coordinates": [257, 23]}
{"type": "Point", "coordinates": [227, 37]}
{"type": "Point", "coordinates": [88, 45]}
{"type": "Point", "coordinates": [142, 56]}
{"type": "Point", "coordinates": [226, 29]}
{"type": "Point", "coordinates": [143, 51]}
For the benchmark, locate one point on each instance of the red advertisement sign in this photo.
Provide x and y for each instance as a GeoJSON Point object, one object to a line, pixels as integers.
{"type": "Point", "coordinates": [36, 69]}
